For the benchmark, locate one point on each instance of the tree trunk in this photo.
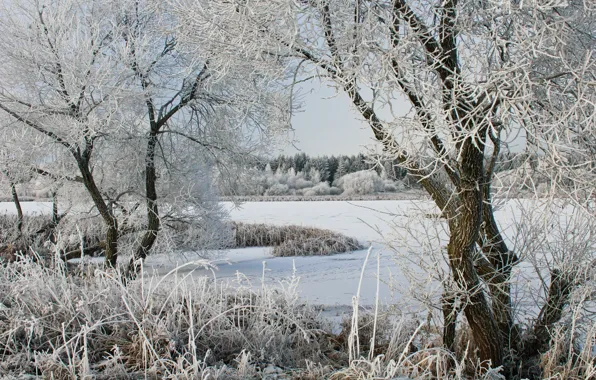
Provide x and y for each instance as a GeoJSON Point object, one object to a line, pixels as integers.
{"type": "Point", "coordinates": [561, 286]}
{"type": "Point", "coordinates": [464, 233]}
{"type": "Point", "coordinates": [55, 216]}
{"type": "Point", "coordinates": [17, 204]}
{"type": "Point", "coordinates": [450, 314]}
{"type": "Point", "coordinates": [152, 209]}
{"type": "Point", "coordinates": [106, 214]}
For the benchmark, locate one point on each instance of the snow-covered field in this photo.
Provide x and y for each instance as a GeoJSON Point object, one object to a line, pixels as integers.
{"type": "Point", "coordinates": [327, 280]}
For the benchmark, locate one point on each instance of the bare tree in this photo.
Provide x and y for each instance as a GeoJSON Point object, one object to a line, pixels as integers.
{"type": "Point", "coordinates": [193, 110]}
{"type": "Point", "coordinates": [58, 81]}
{"type": "Point", "coordinates": [477, 76]}
{"type": "Point", "coordinates": [119, 103]}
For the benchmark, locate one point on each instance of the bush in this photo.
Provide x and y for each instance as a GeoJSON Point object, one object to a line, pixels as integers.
{"type": "Point", "coordinates": [278, 189]}
{"type": "Point", "coordinates": [300, 183]}
{"type": "Point", "coordinates": [322, 243]}
{"type": "Point", "coordinates": [361, 183]}
{"type": "Point", "coordinates": [320, 189]}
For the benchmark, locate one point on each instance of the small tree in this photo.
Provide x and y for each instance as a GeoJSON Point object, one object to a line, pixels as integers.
{"type": "Point", "coordinates": [61, 83]}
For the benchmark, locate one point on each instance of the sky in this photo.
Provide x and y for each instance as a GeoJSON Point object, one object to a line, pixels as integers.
{"type": "Point", "coordinates": [327, 124]}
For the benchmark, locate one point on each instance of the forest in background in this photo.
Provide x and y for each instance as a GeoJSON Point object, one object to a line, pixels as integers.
{"type": "Point", "coordinates": [348, 175]}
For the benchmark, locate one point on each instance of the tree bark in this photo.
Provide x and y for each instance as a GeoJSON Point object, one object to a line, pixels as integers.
{"type": "Point", "coordinates": [500, 257]}
{"type": "Point", "coordinates": [17, 204]}
{"type": "Point", "coordinates": [450, 314]}
{"type": "Point", "coordinates": [464, 233]}
{"type": "Point", "coordinates": [108, 217]}
{"type": "Point", "coordinates": [55, 215]}
{"type": "Point", "coordinates": [152, 208]}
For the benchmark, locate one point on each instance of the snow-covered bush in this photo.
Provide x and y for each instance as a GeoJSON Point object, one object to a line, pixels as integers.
{"type": "Point", "coordinates": [299, 182]}
{"type": "Point", "coordinates": [278, 189]}
{"type": "Point", "coordinates": [362, 182]}
{"type": "Point", "coordinates": [320, 189]}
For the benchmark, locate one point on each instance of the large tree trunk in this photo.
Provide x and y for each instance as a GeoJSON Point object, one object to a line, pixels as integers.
{"type": "Point", "coordinates": [450, 314]}
{"type": "Point", "coordinates": [502, 260]}
{"type": "Point", "coordinates": [106, 214]}
{"type": "Point", "coordinates": [152, 209]}
{"type": "Point", "coordinates": [464, 233]}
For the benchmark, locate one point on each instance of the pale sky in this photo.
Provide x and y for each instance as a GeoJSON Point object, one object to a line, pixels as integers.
{"type": "Point", "coordinates": [328, 124]}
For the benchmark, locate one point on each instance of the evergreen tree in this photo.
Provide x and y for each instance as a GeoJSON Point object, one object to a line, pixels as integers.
{"type": "Point", "coordinates": [307, 169]}
{"type": "Point", "coordinates": [333, 164]}
{"type": "Point", "coordinates": [299, 161]}
{"type": "Point", "coordinates": [323, 167]}
{"type": "Point", "coordinates": [341, 168]}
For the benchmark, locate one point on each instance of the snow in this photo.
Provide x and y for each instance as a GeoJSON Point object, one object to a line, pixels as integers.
{"type": "Point", "coordinates": [324, 280]}
{"type": "Point", "coordinates": [29, 208]}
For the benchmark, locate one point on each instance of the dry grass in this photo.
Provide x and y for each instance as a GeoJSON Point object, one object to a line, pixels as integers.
{"type": "Point", "coordinates": [293, 240]}
{"type": "Point", "coordinates": [55, 326]}
{"type": "Point", "coordinates": [72, 327]}
{"type": "Point", "coordinates": [35, 232]}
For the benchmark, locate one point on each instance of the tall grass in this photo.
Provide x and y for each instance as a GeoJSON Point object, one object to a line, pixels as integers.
{"type": "Point", "coordinates": [57, 325]}
{"type": "Point", "coordinates": [293, 240]}
{"type": "Point", "coordinates": [66, 326]}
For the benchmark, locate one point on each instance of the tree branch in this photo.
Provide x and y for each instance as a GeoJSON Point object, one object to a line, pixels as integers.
{"type": "Point", "coordinates": [38, 128]}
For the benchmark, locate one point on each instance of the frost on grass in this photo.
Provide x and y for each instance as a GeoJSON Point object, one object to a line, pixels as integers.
{"type": "Point", "coordinates": [73, 327]}
{"type": "Point", "coordinates": [63, 326]}
{"type": "Point", "coordinates": [293, 240]}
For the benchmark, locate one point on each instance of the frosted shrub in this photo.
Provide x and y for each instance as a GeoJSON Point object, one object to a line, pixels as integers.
{"type": "Point", "coordinates": [299, 182]}
{"type": "Point", "coordinates": [361, 183]}
{"type": "Point", "coordinates": [278, 189]}
{"type": "Point", "coordinates": [320, 189]}
{"type": "Point", "coordinates": [393, 186]}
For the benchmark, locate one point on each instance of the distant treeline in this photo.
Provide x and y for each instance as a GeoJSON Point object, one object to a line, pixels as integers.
{"type": "Point", "coordinates": [334, 167]}
{"type": "Point", "coordinates": [330, 167]}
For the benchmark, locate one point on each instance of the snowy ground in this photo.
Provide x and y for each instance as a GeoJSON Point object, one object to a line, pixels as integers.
{"type": "Point", "coordinates": [328, 280]}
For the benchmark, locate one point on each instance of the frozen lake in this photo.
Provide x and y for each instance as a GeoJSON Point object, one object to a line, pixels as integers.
{"type": "Point", "coordinates": [329, 280]}
{"type": "Point", "coordinates": [325, 280]}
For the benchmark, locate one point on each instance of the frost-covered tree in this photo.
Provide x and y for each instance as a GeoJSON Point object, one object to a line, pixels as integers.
{"type": "Point", "coordinates": [122, 107]}
{"type": "Point", "coordinates": [341, 168]}
{"type": "Point", "coordinates": [476, 75]}
{"type": "Point", "coordinates": [64, 84]}
{"type": "Point", "coordinates": [194, 111]}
